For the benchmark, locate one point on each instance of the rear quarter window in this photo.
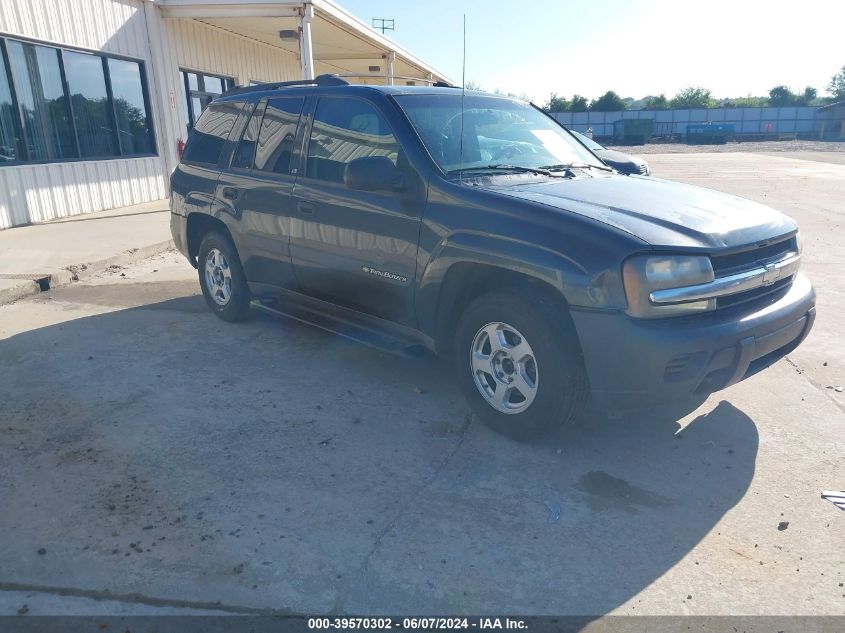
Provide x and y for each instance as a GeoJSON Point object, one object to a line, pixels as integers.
{"type": "Point", "coordinates": [209, 136]}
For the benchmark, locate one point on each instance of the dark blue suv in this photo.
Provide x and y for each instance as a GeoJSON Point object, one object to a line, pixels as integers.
{"type": "Point", "coordinates": [477, 227]}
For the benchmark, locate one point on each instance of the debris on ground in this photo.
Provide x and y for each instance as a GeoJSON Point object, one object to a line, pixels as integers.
{"type": "Point", "coordinates": [554, 511]}
{"type": "Point", "coordinates": [42, 551]}
{"type": "Point", "coordinates": [783, 525]}
{"type": "Point", "coordinates": [836, 497]}
{"type": "Point", "coordinates": [324, 442]}
{"type": "Point", "coordinates": [418, 391]}
{"type": "Point", "coordinates": [23, 610]}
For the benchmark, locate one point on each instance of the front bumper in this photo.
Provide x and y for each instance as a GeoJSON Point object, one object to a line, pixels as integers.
{"type": "Point", "coordinates": [635, 362]}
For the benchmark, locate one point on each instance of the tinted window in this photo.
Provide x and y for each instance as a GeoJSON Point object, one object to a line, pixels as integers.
{"type": "Point", "coordinates": [8, 133]}
{"type": "Point", "coordinates": [90, 102]}
{"type": "Point", "coordinates": [133, 124]}
{"type": "Point", "coordinates": [206, 141]}
{"type": "Point", "coordinates": [345, 129]}
{"type": "Point", "coordinates": [278, 131]}
{"type": "Point", "coordinates": [46, 120]}
{"type": "Point", "coordinates": [245, 152]}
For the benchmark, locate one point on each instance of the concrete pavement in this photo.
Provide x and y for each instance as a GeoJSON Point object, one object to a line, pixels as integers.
{"type": "Point", "coordinates": [56, 253]}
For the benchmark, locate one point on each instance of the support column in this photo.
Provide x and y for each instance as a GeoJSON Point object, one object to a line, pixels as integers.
{"type": "Point", "coordinates": [391, 60]}
{"type": "Point", "coordinates": [163, 82]}
{"type": "Point", "coordinates": [306, 54]}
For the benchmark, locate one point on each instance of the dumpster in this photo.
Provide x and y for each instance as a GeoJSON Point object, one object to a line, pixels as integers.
{"type": "Point", "coordinates": [632, 131]}
{"type": "Point", "coordinates": [710, 133]}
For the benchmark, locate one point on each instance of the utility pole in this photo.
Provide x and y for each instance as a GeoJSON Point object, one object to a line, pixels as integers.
{"type": "Point", "coordinates": [384, 24]}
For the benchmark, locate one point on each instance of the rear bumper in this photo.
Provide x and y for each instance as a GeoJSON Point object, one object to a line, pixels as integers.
{"type": "Point", "coordinates": [179, 231]}
{"type": "Point", "coordinates": [636, 362]}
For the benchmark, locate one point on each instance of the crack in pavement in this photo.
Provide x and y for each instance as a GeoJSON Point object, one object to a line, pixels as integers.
{"type": "Point", "coordinates": [816, 384]}
{"type": "Point", "coordinates": [104, 595]}
{"type": "Point", "coordinates": [413, 496]}
{"type": "Point", "coordinates": [340, 599]}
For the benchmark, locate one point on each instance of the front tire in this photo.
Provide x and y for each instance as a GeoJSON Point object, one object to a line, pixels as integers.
{"type": "Point", "coordinates": [222, 277]}
{"type": "Point", "coordinates": [519, 363]}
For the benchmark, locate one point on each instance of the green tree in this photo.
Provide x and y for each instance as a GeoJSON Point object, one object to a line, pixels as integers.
{"type": "Point", "coordinates": [836, 87]}
{"type": "Point", "coordinates": [660, 102]}
{"type": "Point", "coordinates": [557, 103]}
{"type": "Point", "coordinates": [807, 97]}
{"type": "Point", "coordinates": [691, 97]}
{"type": "Point", "coordinates": [608, 102]}
{"type": "Point", "coordinates": [473, 85]}
{"type": "Point", "coordinates": [578, 104]}
{"type": "Point", "coordinates": [781, 96]}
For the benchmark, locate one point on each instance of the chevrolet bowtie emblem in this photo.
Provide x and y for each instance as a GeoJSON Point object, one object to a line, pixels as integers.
{"type": "Point", "coordinates": [771, 275]}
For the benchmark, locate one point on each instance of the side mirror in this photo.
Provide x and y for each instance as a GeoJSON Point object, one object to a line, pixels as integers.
{"type": "Point", "coordinates": [371, 173]}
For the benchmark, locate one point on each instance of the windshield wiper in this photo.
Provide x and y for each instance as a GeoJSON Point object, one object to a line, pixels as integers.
{"type": "Point", "coordinates": [565, 166]}
{"type": "Point", "coordinates": [504, 167]}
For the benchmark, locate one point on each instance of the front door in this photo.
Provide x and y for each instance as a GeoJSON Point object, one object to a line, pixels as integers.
{"type": "Point", "coordinates": [354, 248]}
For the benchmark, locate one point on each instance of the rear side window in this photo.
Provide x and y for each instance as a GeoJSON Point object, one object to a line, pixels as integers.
{"type": "Point", "coordinates": [209, 135]}
{"type": "Point", "coordinates": [345, 129]}
{"type": "Point", "coordinates": [277, 134]}
{"type": "Point", "coordinates": [245, 152]}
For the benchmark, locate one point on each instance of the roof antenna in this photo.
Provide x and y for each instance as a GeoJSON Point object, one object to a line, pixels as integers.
{"type": "Point", "coordinates": [463, 92]}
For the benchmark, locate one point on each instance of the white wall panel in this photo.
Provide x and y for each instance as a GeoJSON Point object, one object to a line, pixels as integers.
{"type": "Point", "coordinates": [37, 193]}
{"type": "Point", "coordinates": [115, 26]}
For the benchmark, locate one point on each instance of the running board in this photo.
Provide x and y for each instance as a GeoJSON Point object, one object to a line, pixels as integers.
{"type": "Point", "coordinates": [346, 326]}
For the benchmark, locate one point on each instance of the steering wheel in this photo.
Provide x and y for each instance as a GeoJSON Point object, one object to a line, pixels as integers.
{"type": "Point", "coordinates": [507, 151]}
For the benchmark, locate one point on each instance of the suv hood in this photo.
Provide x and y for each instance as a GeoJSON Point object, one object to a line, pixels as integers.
{"type": "Point", "coordinates": [660, 212]}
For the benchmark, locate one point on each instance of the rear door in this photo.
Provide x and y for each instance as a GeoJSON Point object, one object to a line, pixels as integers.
{"type": "Point", "coordinates": [257, 186]}
{"type": "Point", "coordinates": [354, 248]}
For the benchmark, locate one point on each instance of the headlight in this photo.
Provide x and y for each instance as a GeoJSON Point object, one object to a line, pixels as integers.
{"type": "Point", "coordinates": [644, 274]}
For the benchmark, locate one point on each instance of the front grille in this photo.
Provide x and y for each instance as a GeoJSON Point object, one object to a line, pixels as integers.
{"type": "Point", "coordinates": [724, 265]}
{"type": "Point", "coordinates": [773, 292]}
{"type": "Point", "coordinates": [642, 169]}
{"type": "Point", "coordinates": [748, 259]}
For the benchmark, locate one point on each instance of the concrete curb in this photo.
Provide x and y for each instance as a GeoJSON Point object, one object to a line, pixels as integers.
{"type": "Point", "coordinates": [75, 272]}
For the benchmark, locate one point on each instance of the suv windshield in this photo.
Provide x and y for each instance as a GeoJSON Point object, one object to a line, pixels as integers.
{"type": "Point", "coordinates": [496, 131]}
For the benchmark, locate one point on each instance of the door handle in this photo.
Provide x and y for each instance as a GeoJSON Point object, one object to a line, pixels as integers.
{"type": "Point", "coordinates": [230, 193]}
{"type": "Point", "coordinates": [305, 207]}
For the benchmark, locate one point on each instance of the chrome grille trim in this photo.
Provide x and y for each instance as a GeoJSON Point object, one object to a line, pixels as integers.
{"type": "Point", "coordinates": [731, 284]}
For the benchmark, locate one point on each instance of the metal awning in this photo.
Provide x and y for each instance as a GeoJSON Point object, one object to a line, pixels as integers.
{"type": "Point", "coordinates": [326, 37]}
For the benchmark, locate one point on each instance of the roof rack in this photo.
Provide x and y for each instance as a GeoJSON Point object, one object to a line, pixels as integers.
{"type": "Point", "coordinates": [319, 80]}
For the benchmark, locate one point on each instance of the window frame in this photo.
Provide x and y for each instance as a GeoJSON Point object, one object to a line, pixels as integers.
{"type": "Point", "coordinates": [200, 91]}
{"type": "Point", "coordinates": [20, 130]}
{"type": "Point", "coordinates": [312, 118]}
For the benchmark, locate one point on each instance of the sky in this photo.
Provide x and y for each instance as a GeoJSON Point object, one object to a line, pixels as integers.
{"type": "Point", "coordinates": [635, 47]}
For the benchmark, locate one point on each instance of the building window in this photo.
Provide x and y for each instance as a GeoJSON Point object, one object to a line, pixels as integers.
{"type": "Point", "coordinates": [130, 105]}
{"type": "Point", "coordinates": [200, 90]}
{"type": "Point", "coordinates": [89, 101]}
{"type": "Point", "coordinates": [59, 104]}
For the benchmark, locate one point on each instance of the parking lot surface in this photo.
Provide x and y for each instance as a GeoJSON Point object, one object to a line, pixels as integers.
{"type": "Point", "coordinates": [156, 459]}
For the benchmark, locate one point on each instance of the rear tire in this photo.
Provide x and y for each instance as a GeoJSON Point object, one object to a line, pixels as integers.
{"type": "Point", "coordinates": [519, 363]}
{"type": "Point", "coordinates": [222, 277]}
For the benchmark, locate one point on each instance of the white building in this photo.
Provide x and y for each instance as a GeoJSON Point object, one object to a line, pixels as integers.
{"type": "Point", "coordinates": [96, 95]}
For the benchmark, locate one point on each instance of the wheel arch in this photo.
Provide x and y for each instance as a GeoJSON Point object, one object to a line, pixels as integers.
{"type": "Point", "coordinates": [468, 265]}
{"type": "Point", "coordinates": [198, 226]}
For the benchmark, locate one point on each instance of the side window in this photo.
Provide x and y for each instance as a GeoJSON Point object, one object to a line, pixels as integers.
{"type": "Point", "coordinates": [277, 134]}
{"type": "Point", "coordinates": [207, 138]}
{"type": "Point", "coordinates": [345, 129]}
{"type": "Point", "coordinates": [245, 152]}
